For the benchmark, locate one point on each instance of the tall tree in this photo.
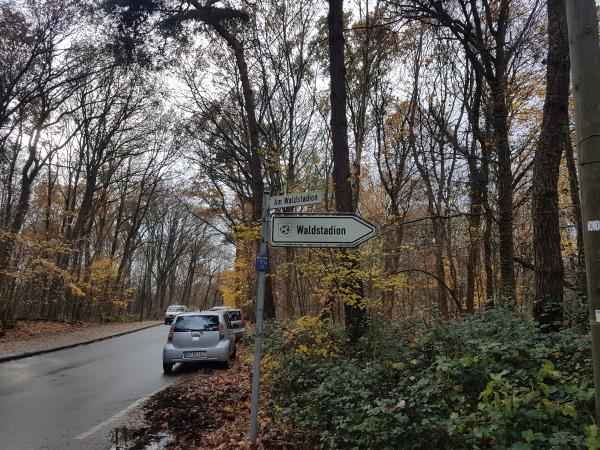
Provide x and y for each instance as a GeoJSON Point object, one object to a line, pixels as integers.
{"type": "Point", "coordinates": [492, 34]}
{"type": "Point", "coordinates": [549, 272]}
{"type": "Point", "coordinates": [172, 16]}
{"type": "Point", "coordinates": [355, 313]}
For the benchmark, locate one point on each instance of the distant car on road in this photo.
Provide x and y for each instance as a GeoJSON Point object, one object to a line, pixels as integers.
{"type": "Point", "coordinates": [199, 336]}
{"type": "Point", "coordinates": [172, 312]}
{"type": "Point", "coordinates": [237, 319]}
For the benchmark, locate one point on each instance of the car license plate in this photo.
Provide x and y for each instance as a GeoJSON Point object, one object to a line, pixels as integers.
{"type": "Point", "coordinates": [199, 355]}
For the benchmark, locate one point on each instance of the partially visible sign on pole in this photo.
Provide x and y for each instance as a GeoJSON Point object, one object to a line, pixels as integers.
{"type": "Point", "coordinates": [298, 199]}
{"type": "Point", "coordinates": [262, 263]}
{"type": "Point", "coordinates": [319, 230]}
{"type": "Point", "coordinates": [297, 230]}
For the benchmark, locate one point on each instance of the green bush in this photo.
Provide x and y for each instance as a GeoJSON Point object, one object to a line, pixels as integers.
{"type": "Point", "coordinates": [491, 380]}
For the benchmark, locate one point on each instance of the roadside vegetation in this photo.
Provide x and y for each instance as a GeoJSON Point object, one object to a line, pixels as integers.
{"type": "Point", "coordinates": [138, 140]}
{"type": "Point", "coordinates": [492, 380]}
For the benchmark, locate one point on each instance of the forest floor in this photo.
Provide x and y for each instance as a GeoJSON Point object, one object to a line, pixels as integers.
{"type": "Point", "coordinates": [209, 408]}
{"type": "Point", "coordinates": [33, 335]}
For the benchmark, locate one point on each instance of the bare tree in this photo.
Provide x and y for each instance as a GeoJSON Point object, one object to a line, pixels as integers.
{"type": "Point", "coordinates": [492, 35]}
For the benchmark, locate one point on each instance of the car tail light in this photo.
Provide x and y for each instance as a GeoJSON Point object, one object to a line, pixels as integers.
{"type": "Point", "coordinates": [243, 320]}
{"type": "Point", "coordinates": [170, 337]}
{"type": "Point", "coordinates": [221, 332]}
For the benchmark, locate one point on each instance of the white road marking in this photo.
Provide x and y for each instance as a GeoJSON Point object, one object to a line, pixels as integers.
{"type": "Point", "coordinates": [117, 416]}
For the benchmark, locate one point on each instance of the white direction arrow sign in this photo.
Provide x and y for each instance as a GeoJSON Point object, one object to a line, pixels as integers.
{"type": "Point", "coordinates": [297, 199]}
{"type": "Point", "coordinates": [319, 230]}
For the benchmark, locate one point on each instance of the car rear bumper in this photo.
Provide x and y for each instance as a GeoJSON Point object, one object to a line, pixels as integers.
{"type": "Point", "coordinates": [172, 354]}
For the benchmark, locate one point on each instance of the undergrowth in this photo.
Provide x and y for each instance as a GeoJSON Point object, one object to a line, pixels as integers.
{"type": "Point", "coordinates": [492, 380]}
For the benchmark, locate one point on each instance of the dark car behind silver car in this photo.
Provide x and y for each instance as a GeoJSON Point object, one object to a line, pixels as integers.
{"type": "Point", "coordinates": [237, 319]}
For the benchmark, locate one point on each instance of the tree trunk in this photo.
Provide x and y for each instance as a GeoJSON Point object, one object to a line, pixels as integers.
{"type": "Point", "coordinates": [440, 270]}
{"type": "Point", "coordinates": [489, 223]}
{"type": "Point", "coordinates": [474, 240]}
{"type": "Point", "coordinates": [549, 273]}
{"type": "Point", "coordinates": [289, 282]}
{"type": "Point", "coordinates": [258, 186]}
{"type": "Point", "coordinates": [356, 315]}
{"type": "Point", "coordinates": [576, 214]}
{"type": "Point", "coordinates": [499, 123]}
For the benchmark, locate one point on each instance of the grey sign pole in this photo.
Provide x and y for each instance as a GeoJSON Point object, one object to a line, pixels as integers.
{"type": "Point", "coordinates": [260, 306]}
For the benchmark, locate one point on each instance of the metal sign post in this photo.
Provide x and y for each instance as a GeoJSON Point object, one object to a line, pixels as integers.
{"type": "Point", "coordinates": [297, 230]}
{"type": "Point", "coordinates": [261, 267]}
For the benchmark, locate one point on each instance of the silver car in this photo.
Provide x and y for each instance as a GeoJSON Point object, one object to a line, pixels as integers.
{"type": "Point", "coordinates": [199, 336]}
{"type": "Point", "coordinates": [172, 312]}
{"type": "Point", "coordinates": [236, 318]}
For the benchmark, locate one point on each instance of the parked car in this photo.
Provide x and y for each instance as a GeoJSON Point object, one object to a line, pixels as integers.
{"type": "Point", "coordinates": [237, 319]}
{"type": "Point", "coordinates": [199, 336]}
{"type": "Point", "coordinates": [172, 312]}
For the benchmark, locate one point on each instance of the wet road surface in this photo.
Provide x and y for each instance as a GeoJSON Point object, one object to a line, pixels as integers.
{"type": "Point", "coordinates": [70, 399]}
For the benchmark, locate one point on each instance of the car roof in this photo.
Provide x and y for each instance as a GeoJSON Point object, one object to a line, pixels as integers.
{"type": "Point", "coordinates": [177, 306]}
{"type": "Point", "coordinates": [223, 309]}
{"type": "Point", "coordinates": [198, 313]}
{"type": "Point", "coordinates": [213, 313]}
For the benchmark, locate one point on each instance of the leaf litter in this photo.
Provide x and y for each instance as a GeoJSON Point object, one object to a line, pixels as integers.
{"type": "Point", "coordinates": [208, 409]}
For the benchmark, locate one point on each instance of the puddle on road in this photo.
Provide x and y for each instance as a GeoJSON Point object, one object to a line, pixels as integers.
{"type": "Point", "coordinates": [123, 438]}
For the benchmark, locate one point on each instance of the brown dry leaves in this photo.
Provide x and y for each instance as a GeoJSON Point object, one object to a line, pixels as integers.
{"type": "Point", "coordinates": [210, 409]}
{"type": "Point", "coordinates": [27, 329]}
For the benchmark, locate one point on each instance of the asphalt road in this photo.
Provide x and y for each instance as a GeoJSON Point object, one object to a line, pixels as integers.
{"type": "Point", "coordinates": [70, 399]}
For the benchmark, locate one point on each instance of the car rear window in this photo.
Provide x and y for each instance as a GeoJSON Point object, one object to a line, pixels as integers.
{"type": "Point", "coordinates": [235, 315]}
{"type": "Point", "coordinates": [197, 323]}
{"type": "Point", "coordinates": [176, 308]}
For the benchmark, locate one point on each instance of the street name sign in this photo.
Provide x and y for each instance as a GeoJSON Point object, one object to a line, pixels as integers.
{"type": "Point", "coordinates": [297, 199]}
{"type": "Point", "coordinates": [319, 230]}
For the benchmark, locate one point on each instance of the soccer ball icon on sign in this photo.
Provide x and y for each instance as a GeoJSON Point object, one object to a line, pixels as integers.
{"type": "Point", "coordinates": [285, 229]}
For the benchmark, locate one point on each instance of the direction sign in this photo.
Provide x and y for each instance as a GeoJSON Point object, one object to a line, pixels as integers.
{"type": "Point", "coordinates": [297, 199]}
{"type": "Point", "coordinates": [319, 230]}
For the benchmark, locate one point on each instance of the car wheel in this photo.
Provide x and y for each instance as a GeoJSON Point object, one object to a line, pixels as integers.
{"type": "Point", "coordinates": [167, 368]}
{"type": "Point", "coordinates": [225, 364]}
{"type": "Point", "coordinates": [234, 354]}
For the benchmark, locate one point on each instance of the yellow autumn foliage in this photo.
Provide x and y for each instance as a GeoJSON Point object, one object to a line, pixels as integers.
{"type": "Point", "coordinates": [236, 284]}
{"type": "Point", "coordinates": [100, 286]}
{"type": "Point", "coordinates": [308, 336]}
{"type": "Point", "coordinates": [268, 367]}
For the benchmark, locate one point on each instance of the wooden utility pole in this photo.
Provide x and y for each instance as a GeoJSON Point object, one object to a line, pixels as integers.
{"type": "Point", "coordinates": [584, 49]}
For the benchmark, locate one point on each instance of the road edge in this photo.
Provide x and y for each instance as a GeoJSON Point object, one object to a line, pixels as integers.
{"type": "Point", "coordinates": [16, 356]}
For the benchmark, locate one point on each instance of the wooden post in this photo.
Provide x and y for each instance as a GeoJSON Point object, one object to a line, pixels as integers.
{"type": "Point", "coordinates": [584, 50]}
